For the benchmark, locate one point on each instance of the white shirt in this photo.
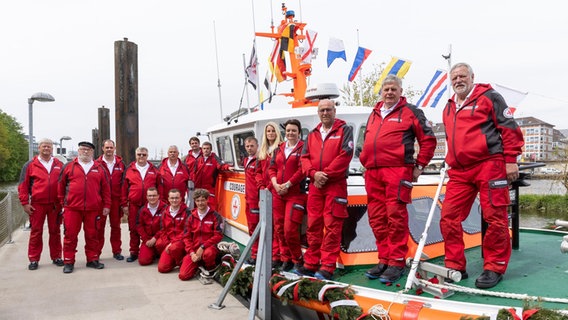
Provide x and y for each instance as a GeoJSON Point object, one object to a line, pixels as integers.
{"type": "Point", "coordinates": [202, 215]}
{"type": "Point", "coordinates": [110, 165]}
{"type": "Point", "coordinates": [87, 166]}
{"type": "Point", "coordinates": [173, 212]}
{"type": "Point", "coordinates": [142, 169]}
{"type": "Point", "coordinates": [46, 164]}
{"type": "Point", "coordinates": [153, 210]}
{"type": "Point", "coordinates": [386, 111]}
{"type": "Point", "coordinates": [288, 150]}
{"type": "Point", "coordinates": [173, 168]}
{"type": "Point", "coordinates": [323, 132]}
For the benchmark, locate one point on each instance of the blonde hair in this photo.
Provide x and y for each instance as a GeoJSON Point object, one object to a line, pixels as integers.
{"type": "Point", "coordinates": [266, 148]}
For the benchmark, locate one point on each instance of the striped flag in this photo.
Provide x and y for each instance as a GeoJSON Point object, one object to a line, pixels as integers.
{"type": "Point", "coordinates": [397, 67]}
{"type": "Point", "coordinates": [276, 63]}
{"type": "Point", "coordinates": [335, 50]}
{"type": "Point", "coordinates": [435, 90]}
{"type": "Point", "coordinates": [361, 56]}
{"type": "Point", "coordinates": [311, 37]}
{"type": "Point", "coordinates": [251, 70]}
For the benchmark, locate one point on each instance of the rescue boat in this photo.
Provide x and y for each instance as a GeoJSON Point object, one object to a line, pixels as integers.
{"type": "Point", "coordinates": [538, 270]}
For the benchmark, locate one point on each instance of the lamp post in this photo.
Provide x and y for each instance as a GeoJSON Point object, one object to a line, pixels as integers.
{"type": "Point", "coordinates": [61, 143]}
{"type": "Point", "coordinates": [39, 96]}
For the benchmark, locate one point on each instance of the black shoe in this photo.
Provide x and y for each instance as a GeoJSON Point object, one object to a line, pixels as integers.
{"type": "Point", "coordinates": [58, 262]}
{"type": "Point", "coordinates": [276, 264]}
{"type": "Point", "coordinates": [95, 264]}
{"type": "Point", "coordinates": [33, 265]}
{"type": "Point", "coordinates": [463, 273]}
{"type": "Point", "coordinates": [251, 261]}
{"type": "Point", "coordinates": [287, 265]}
{"type": "Point", "coordinates": [118, 256]}
{"type": "Point", "coordinates": [488, 279]}
{"type": "Point", "coordinates": [391, 274]}
{"type": "Point", "coordinates": [303, 271]}
{"type": "Point", "coordinates": [323, 275]}
{"type": "Point", "coordinates": [132, 258]}
{"type": "Point", "coordinates": [376, 271]}
{"type": "Point", "coordinates": [68, 268]}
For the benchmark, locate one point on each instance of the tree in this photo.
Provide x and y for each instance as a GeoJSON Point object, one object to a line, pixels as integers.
{"type": "Point", "coordinates": [13, 148]}
{"type": "Point", "coordinates": [351, 92]}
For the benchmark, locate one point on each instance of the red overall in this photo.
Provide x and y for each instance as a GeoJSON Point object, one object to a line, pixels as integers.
{"type": "Point", "coordinates": [205, 176]}
{"type": "Point", "coordinates": [252, 183]}
{"type": "Point", "coordinates": [172, 234]}
{"type": "Point", "coordinates": [169, 181]}
{"type": "Point", "coordinates": [149, 225]}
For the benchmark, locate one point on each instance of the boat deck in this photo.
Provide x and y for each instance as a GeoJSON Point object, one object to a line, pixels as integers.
{"type": "Point", "coordinates": [120, 291]}
{"type": "Point", "coordinates": [529, 272]}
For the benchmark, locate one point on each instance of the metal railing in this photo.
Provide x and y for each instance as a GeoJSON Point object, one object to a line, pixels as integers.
{"type": "Point", "coordinates": [11, 216]}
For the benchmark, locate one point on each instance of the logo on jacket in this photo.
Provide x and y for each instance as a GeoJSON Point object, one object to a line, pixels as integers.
{"type": "Point", "coordinates": [508, 113]}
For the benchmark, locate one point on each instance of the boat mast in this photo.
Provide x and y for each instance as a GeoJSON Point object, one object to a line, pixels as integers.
{"type": "Point", "coordinates": [218, 77]}
{"type": "Point", "coordinates": [289, 33]}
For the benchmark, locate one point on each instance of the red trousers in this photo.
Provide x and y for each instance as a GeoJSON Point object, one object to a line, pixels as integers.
{"type": "Point", "coordinates": [72, 221]}
{"type": "Point", "coordinates": [169, 260]}
{"type": "Point", "coordinates": [114, 218]}
{"type": "Point", "coordinates": [388, 192]}
{"type": "Point", "coordinates": [253, 218]}
{"type": "Point", "coordinates": [327, 209]}
{"type": "Point", "coordinates": [134, 236]}
{"type": "Point", "coordinates": [148, 254]}
{"type": "Point", "coordinates": [189, 268]}
{"type": "Point", "coordinates": [489, 178]}
{"type": "Point", "coordinates": [288, 214]}
{"type": "Point", "coordinates": [37, 220]}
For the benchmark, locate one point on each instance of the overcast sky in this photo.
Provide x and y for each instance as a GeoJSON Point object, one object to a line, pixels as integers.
{"type": "Point", "coordinates": [66, 48]}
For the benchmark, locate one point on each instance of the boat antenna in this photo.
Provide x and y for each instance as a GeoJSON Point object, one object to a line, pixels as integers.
{"type": "Point", "coordinates": [218, 77]}
{"type": "Point", "coordinates": [258, 86]}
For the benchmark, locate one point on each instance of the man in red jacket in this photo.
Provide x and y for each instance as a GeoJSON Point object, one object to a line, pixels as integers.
{"type": "Point", "coordinates": [325, 160]}
{"type": "Point", "coordinates": [115, 169]}
{"type": "Point", "coordinates": [140, 175]}
{"type": "Point", "coordinates": [84, 192]}
{"type": "Point", "coordinates": [149, 224]}
{"type": "Point", "coordinates": [388, 157]}
{"type": "Point", "coordinates": [203, 231]}
{"type": "Point", "coordinates": [483, 143]}
{"type": "Point", "coordinates": [38, 195]}
{"type": "Point", "coordinates": [207, 168]}
{"type": "Point", "coordinates": [173, 174]}
{"type": "Point", "coordinates": [252, 184]}
{"type": "Point", "coordinates": [193, 154]}
{"type": "Point", "coordinates": [171, 234]}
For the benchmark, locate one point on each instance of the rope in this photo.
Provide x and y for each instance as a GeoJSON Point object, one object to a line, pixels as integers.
{"type": "Point", "coordinates": [508, 295]}
{"type": "Point", "coordinates": [379, 311]}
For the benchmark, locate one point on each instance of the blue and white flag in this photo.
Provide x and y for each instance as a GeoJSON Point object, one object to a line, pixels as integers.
{"type": "Point", "coordinates": [335, 50]}
{"type": "Point", "coordinates": [435, 90]}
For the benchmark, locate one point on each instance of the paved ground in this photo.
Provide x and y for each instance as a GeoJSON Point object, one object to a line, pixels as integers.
{"type": "Point", "coordinates": [120, 291]}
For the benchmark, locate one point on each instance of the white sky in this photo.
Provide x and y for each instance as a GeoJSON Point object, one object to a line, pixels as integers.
{"type": "Point", "coordinates": [66, 48]}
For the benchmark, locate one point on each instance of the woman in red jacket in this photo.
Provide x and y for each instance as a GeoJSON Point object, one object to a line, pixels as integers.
{"type": "Point", "coordinates": [288, 195]}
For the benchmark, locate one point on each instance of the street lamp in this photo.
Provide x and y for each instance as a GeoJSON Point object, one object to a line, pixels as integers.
{"type": "Point", "coordinates": [39, 96]}
{"type": "Point", "coordinates": [61, 143]}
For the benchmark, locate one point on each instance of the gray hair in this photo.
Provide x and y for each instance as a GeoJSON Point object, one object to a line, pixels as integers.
{"type": "Point", "coordinates": [45, 141]}
{"type": "Point", "coordinates": [173, 147]}
{"type": "Point", "coordinates": [392, 78]}
{"type": "Point", "coordinates": [141, 149]}
{"type": "Point", "coordinates": [462, 64]}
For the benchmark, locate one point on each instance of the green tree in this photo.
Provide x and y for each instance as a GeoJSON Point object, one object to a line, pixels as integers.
{"type": "Point", "coordinates": [351, 91]}
{"type": "Point", "coordinates": [13, 148]}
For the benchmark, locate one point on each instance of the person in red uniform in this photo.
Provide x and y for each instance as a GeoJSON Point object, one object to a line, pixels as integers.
{"type": "Point", "coordinates": [140, 175]}
{"type": "Point", "coordinates": [252, 185]}
{"type": "Point", "coordinates": [271, 139]}
{"type": "Point", "coordinates": [84, 192]}
{"type": "Point", "coordinates": [393, 127]}
{"type": "Point", "coordinates": [325, 160]}
{"type": "Point", "coordinates": [193, 154]}
{"type": "Point", "coordinates": [173, 174]}
{"type": "Point", "coordinates": [37, 192]}
{"type": "Point", "coordinates": [288, 195]}
{"type": "Point", "coordinates": [171, 235]}
{"type": "Point", "coordinates": [149, 222]}
{"type": "Point", "coordinates": [115, 169]}
{"type": "Point", "coordinates": [203, 231]}
{"type": "Point", "coordinates": [483, 142]}
{"type": "Point", "coordinates": [207, 168]}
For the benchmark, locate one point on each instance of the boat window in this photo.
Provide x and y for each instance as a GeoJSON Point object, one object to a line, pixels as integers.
{"type": "Point", "coordinates": [225, 150]}
{"type": "Point", "coordinates": [360, 139]}
{"type": "Point", "coordinates": [239, 141]}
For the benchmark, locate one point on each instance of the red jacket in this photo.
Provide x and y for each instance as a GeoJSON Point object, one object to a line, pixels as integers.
{"type": "Point", "coordinates": [207, 170]}
{"type": "Point", "coordinates": [169, 181]}
{"type": "Point", "coordinates": [202, 233]}
{"type": "Point", "coordinates": [81, 191]}
{"type": "Point", "coordinates": [252, 181]}
{"type": "Point", "coordinates": [389, 142]}
{"type": "Point", "coordinates": [331, 156]}
{"type": "Point", "coordinates": [116, 176]}
{"type": "Point", "coordinates": [483, 128]}
{"type": "Point", "coordinates": [134, 188]}
{"type": "Point", "coordinates": [36, 183]}
{"type": "Point", "coordinates": [147, 224]}
{"type": "Point", "coordinates": [190, 161]}
{"type": "Point", "coordinates": [172, 227]}
{"type": "Point", "coordinates": [288, 169]}
{"type": "Point", "coordinates": [262, 175]}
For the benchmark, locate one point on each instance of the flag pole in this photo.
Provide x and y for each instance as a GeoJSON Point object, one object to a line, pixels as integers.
{"type": "Point", "coordinates": [218, 77]}
{"type": "Point", "coordinates": [360, 76]}
{"type": "Point", "coordinates": [256, 55]}
{"type": "Point", "coordinates": [246, 82]}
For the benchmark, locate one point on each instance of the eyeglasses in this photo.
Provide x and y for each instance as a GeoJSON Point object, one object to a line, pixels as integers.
{"type": "Point", "coordinates": [328, 110]}
{"type": "Point", "coordinates": [141, 154]}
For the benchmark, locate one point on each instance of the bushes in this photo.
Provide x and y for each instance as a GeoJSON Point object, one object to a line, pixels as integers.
{"type": "Point", "coordinates": [544, 204]}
